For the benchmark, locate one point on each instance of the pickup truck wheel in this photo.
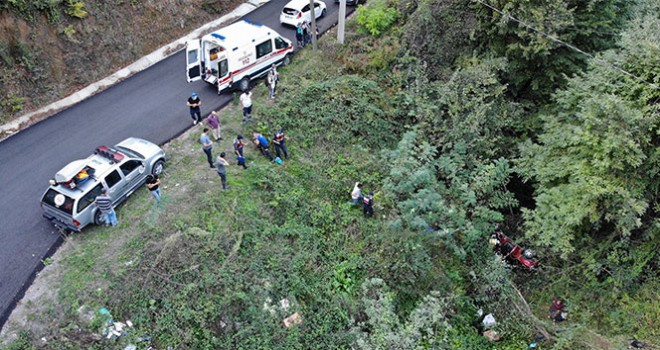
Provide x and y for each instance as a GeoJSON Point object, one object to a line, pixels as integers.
{"type": "Point", "coordinates": [157, 169]}
{"type": "Point", "coordinates": [99, 218]}
{"type": "Point", "coordinates": [244, 84]}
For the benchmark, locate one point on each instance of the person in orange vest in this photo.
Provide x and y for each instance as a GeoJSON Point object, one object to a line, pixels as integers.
{"type": "Point", "coordinates": [368, 205]}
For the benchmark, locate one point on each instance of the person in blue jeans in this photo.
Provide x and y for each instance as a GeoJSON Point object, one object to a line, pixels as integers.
{"type": "Point", "coordinates": [207, 146]}
{"type": "Point", "coordinates": [104, 203]}
{"type": "Point", "coordinates": [262, 144]}
{"type": "Point", "coordinates": [195, 112]}
{"type": "Point", "coordinates": [280, 143]}
{"type": "Point", "coordinates": [356, 194]}
{"type": "Point", "coordinates": [153, 184]}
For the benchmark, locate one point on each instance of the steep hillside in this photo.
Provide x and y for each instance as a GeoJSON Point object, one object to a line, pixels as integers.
{"type": "Point", "coordinates": [48, 49]}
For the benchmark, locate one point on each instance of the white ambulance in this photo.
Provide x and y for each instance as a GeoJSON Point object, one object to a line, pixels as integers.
{"type": "Point", "coordinates": [234, 55]}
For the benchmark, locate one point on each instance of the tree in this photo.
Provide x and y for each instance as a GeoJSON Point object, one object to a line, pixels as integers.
{"type": "Point", "coordinates": [597, 160]}
{"type": "Point", "coordinates": [426, 327]}
{"type": "Point", "coordinates": [438, 193]}
{"type": "Point", "coordinates": [537, 64]}
{"type": "Point", "coordinates": [438, 33]}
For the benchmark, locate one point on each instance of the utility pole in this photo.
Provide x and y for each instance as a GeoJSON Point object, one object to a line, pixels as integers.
{"type": "Point", "coordinates": [341, 21]}
{"type": "Point", "coordinates": [313, 8]}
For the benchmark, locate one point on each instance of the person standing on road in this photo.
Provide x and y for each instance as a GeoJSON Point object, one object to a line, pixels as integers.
{"type": "Point", "coordinates": [195, 112]}
{"type": "Point", "coordinates": [279, 140]}
{"type": "Point", "coordinates": [238, 151]}
{"type": "Point", "coordinates": [368, 205]}
{"type": "Point", "coordinates": [307, 35]}
{"type": "Point", "coordinates": [153, 184]}
{"type": "Point", "coordinates": [221, 167]}
{"type": "Point", "coordinates": [104, 203]}
{"type": "Point", "coordinates": [300, 39]}
{"type": "Point", "coordinates": [262, 143]}
{"type": "Point", "coordinates": [246, 103]}
{"type": "Point", "coordinates": [207, 146]}
{"type": "Point", "coordinates": [213, 122]}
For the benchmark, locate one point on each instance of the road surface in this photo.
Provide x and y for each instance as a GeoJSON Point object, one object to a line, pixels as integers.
{"type": "Point", "coordinates": [150, 105]}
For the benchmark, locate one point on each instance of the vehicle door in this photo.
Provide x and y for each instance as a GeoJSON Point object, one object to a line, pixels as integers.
{"type": "Point", "coordinates": [317, 10]}
{"type": "Point", "coordinates": [114, 183]}
{"type": "Point", "coordinates": [307, 16]}
{"type": "Point", "coordinates": [193, 61]}
{"type": "Point", "coordinates": [133, 172]}
{"type": "Point", "coordinates": [85, 211]}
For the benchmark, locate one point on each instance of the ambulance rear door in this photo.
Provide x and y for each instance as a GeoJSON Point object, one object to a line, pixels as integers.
{"type": "Point", "coordinates": [193, 61]}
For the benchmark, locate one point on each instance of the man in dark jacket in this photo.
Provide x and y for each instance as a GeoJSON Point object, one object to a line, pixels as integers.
{"type": "Point", "coordinates": [368, 205]}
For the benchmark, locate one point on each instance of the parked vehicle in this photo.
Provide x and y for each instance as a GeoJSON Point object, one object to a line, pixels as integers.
{"type": "Point", "coordinates": [510, 251]}
{"type": "Point", "coordinates": [234, 55]}
{"type": "Point", "coordinates": [69, 202]}
{"type": "Point", "coordinates": [298, 11]}
{"type": "Point", "coordinates": [352, 2]}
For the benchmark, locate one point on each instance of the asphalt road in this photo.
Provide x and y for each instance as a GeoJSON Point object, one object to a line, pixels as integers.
{"type": "Point", "coordinates": [150, 105]}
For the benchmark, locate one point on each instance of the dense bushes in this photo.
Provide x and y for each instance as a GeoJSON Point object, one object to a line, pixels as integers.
{"type": "Point", "coordinates": [339, 110]}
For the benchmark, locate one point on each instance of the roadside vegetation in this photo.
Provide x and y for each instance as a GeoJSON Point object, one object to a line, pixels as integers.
{"type": "Point", "coordinates": [456, 125]}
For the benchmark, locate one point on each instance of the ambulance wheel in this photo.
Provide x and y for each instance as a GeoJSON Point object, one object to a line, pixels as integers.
{"type": "Point", "coordinates": [99, 218]}
{"type": "Point", "coordinates": [244, 84]}
{"type": "Point", "coordinates": [286, 60]}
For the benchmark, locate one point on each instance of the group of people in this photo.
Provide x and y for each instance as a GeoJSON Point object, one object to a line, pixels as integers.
{"type": "Point", "coordinates": [260, 141]}
{"type": "Point", "coordinates": [304, 33]}
{"type": "Point", "coordinates": [367, 200]}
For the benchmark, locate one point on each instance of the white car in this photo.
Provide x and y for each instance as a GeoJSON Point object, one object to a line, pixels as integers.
{"type": "Point", "coordinates": [298, 11]}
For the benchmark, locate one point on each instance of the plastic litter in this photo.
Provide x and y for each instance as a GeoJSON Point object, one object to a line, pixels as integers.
{"type": "Point", "coordinates": [292, 320]}
{"type": "Point", "coordinates": [491, 335]}
{"type": "Point", "coordinates": [113, 330]}
{"type": "Point", "coordinates": [489, 321]}
{"type": "Point", "coordinates": [284, 304]}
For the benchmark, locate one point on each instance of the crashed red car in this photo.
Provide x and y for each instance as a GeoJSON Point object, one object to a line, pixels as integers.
{"type": "Point", "coordinates": [511, 252]}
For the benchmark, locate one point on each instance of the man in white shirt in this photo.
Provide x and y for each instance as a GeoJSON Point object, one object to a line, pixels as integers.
{"type": "Point", "coordinates": [246, 103]}
{"type": "Point", "coordinates": [357, 193]}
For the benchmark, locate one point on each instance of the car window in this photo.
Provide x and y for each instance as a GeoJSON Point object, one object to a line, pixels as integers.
{"type": "Point", "coordinates": [289, 11]}
{"type": "Point", "coordinates": [316, 5]}
{"type": "Point", "coordinates": [129, 166]}
{"type": "Point", "coordinates": [193, 56]}
{"type": "Point", "coordinates": [264, 48]}
{"type": "Point", "coordinates": [280, 43]}
{"type": "Point", "coordinates": [89, 198]}
{"type": "Point", "coordinates": [112, 178]}
{"type": "Point", "coordinates": [58, 200]}
{"type": "Point", "coordinates": [223, 68]}
{"type": "Point", "coordinates": [306, 8]}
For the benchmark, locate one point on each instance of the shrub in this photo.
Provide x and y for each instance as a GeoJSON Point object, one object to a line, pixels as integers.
{"type": "Point", "coordinates": [76, 9]}
{"type": "Point", "coordinates": [346, 110]}
{"type": "Point", "coordinates": [377, 17]}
